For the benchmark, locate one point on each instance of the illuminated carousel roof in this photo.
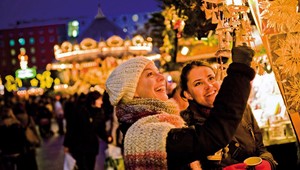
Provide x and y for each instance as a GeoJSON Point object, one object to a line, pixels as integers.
{"type": "Point", "coordinates": [90, 49]}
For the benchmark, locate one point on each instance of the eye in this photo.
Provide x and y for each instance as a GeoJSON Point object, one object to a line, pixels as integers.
{"type": "Point", "coordinates": [149, 74]}
{"type": "Point", "coordinates": [211, 79]}
{"type": "Point", "coordinates": [198, 83]}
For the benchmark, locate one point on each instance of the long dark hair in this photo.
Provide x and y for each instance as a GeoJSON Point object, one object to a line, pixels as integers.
{"type": "Point", "coordinates": [107, 107]}
{"type": "Point", "coordinates": [92, 97]}
{"type": "Point", "coordinates": [185, 72]}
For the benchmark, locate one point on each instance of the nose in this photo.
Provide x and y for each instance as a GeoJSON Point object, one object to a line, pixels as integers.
{"type": "Point", "coordinates": [208, 85]}
{"type": "Point", "coordinates": [160, 77]}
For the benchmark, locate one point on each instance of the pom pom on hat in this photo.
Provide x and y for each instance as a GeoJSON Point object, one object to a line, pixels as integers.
{"type": "Point", "coordinates": [122, 82]}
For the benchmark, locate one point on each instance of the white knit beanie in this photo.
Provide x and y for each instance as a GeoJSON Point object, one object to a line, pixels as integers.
{"type": "Point", "coordinates": [122, 82]}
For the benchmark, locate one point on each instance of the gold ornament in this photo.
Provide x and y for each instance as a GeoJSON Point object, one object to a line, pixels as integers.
{"type": "Point", "coordinates": [289, 55]}
{"type": "Point", "coordinates": [293, 93]}
{"type": "Point", "coordinates": [280, 15]}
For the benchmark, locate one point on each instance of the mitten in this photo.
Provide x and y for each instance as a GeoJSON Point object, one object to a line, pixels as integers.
{"type": "Point", "coordinates": [265, 165]}
{"type": "Point", "coordinates": [242, 54]}
{"type": "Point", "coordinates": [238, 166]}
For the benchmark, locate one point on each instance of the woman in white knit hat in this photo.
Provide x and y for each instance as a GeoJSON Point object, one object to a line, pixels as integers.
{"type": "Point", "coordinates": [155, 135]}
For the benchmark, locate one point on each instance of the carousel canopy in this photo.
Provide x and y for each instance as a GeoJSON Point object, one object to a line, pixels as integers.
{"type": "Point", "coordinates": [101, 28]}
{"type": "Point", "coordinates": [90, 49]}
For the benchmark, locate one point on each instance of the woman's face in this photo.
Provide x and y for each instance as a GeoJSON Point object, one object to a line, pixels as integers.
{"type": "Point", "coordinates": [151, 84]}
{"type": "Point", "coordinates": [202, 86]}
{"type": "Point", "coordinates": [99, 102]}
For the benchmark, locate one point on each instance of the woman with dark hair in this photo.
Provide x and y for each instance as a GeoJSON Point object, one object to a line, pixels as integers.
{"type": "Point", "coordinates": [201, 88]}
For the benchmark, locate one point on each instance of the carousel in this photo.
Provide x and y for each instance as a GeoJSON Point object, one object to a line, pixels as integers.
{"type": "Point", "coordinates": [85, 66]}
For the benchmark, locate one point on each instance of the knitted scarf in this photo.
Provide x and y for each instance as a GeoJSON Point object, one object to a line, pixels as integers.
{"type": "Point", "coordinates": [145, 140]}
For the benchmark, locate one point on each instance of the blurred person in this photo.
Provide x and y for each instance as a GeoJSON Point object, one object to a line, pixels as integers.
{"type": "Point", "coordinates": [59, 114]}
{"type": "Point", "coordinates": [86, 126]}
{"type": "Point", "coordinates": [112, 121]}
{"type": "Point", "coordinates": [155, 136]}
{"type": "Point", "coordinates": [13, 140]}
{"type": "Point", "coordinates": [201, 88]}
{"type": "Point", "coordinates": [176, 97]}
{"type": "Point", "coordinates": [27, 121]}
{"type": "Point", "coordinates": [69, 106]}
{"type": "Point", "coordinates": [43, 118]}
{"type": "Point", "coordinates": [32, 105]}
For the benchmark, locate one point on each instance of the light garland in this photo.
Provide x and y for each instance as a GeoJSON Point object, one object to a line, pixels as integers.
{"type": "Point", "coordinates": [89, 49]}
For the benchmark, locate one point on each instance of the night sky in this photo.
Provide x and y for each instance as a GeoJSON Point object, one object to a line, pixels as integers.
{"type": "Point", "coordinates": [34, 11]}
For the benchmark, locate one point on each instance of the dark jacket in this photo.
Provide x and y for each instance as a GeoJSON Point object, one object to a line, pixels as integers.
{"type": "Point", "coordinates": [85, 127]}
{"type": "Point", "coordinates": [198, 141]}
{"type": "Point", "coordinates": [13, 140]}
{"type": "Point", "coordinates": [246, 142]}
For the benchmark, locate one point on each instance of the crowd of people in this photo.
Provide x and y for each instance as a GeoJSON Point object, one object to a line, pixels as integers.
{"type": "Point", "coordinates": [19, 135]}
{"type": "Point", "coordinates": [37, 113]}
{"type": "Point", "coordinates": [206, 124]}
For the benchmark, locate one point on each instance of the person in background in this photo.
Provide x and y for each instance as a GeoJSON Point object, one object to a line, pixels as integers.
{"type": "Point", "coordinates": [59, 114]}
{"type": "Point", "coordinates": [155, 136]}
{"type": "Point", "coordinates": [201, 88]}
{"type": "Point", "coordinates": [13, 140]}
{"type": "Point", "coordinates": [29, 156]}
{"type": "Point", "coordinates": [85, 126]}
{"type": "Point", "coordinates": [43, 119]}
{"type": "Point", "coordinates": [69, 108]}
{"type": "Point", "coordinates": [176, 97]}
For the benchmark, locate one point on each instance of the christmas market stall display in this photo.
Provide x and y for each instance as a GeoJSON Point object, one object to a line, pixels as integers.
{"type": "Point", "coordinates": [279, 28]}
{"type": "Point", "coordinates": [87, 64]}
{"type": "Point", "coordinates": [278, 24]}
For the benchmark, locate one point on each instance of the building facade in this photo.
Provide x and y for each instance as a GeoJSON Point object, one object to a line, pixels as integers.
{"type": "Point", "coordinates": [37, 42]}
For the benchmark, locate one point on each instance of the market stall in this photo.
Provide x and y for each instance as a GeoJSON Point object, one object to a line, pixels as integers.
{"type": "Point", "coordinates": [279, 28]}
{"type": "Point", "coordinates": [275, 96]}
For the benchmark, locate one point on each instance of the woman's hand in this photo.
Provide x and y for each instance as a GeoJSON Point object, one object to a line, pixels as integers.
{"type": "Point", "coordinates": [242, 54]}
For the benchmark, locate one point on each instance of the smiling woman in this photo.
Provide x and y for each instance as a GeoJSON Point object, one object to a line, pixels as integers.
{"type": "Point", "coordinates": [155, 136]}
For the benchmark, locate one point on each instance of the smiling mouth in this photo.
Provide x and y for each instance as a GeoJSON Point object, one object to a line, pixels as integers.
{"type": "Point", "coordinates": [160, 89]}
{"type": "Point", "coordinates": [210, 93]}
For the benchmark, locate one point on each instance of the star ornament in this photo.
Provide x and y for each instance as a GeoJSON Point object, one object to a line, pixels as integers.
{"type": "Point", "coordinates": [289, 55]}
{"type": "Point", "coordinates": [280, 15]}
{"type": "Point", "coordinates": [293, 93]}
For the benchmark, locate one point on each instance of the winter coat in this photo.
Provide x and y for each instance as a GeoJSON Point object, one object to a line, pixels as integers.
{"type": "Point", "coordinates": [246, 142]}
{"type": "Point", "coordinates": [85, 126]}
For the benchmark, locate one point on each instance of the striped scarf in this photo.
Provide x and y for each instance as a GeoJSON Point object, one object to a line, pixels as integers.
{"type": "Point", "coordinates": [145, 140]}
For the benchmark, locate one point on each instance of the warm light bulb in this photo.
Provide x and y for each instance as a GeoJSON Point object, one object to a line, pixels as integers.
{"type": "Point", "coordinates": [234, 2]}
{"type": "Point", "coordinates": [184, 50]}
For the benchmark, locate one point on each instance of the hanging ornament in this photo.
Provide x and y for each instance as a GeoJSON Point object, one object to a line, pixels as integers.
{"type": "Point", "coordinates": [233, 27]}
